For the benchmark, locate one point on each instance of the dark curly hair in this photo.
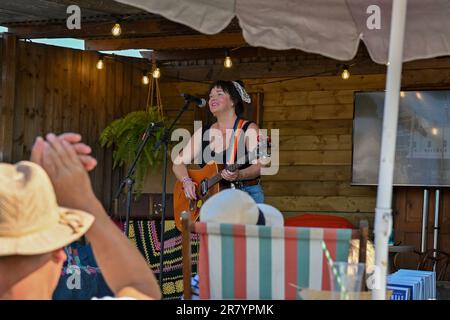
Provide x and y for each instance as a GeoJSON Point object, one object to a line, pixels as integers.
{"type": "Point", "coordinates": [228, 87]}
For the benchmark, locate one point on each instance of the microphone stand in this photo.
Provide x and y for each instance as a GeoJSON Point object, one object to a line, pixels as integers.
{"type": "Point", "coordinates": [164, 140]}
{"type": "Point", "coordinates": [129, 180]}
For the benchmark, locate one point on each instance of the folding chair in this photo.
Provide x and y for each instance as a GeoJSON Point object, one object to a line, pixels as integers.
{"type": "Point", "coordinates": [261, 262]}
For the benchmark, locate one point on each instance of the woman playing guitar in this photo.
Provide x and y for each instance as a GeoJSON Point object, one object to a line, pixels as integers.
{"type": "Point", "coordinates": [226, 103]}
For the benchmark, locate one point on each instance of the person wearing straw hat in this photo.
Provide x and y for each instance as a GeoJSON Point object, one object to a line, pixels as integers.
{"type": "Point", "coordinates": [41, 211]}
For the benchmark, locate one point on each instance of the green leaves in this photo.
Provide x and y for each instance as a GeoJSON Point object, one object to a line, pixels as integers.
{"type": "Point", "coordinates": [125, 134]}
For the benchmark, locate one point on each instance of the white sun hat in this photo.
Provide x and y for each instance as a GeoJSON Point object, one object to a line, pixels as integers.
{"type": "Point", "coordinates": [238, 207]}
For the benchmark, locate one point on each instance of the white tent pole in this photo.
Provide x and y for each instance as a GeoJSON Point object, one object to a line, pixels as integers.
{"type": "Point", "coordinates": [383, 211]}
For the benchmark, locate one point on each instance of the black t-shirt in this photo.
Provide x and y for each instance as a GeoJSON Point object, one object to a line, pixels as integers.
{"type": "Point", "coordinates": [224, 154]}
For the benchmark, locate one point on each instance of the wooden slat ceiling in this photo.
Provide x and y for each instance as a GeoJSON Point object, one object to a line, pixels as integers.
{"type": "Point", "coordinates": [19, 12]}
{"type": "Point", "coordinates": [33, 19]}
{"type": "Point", "coordinates": [47, 18]}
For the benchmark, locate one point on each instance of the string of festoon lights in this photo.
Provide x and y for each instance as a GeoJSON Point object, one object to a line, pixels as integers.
{"type": "Point", "coordinates": [341, 69]}
{"type": "Point", "coordinates": [116, 31]}
{"type": "Point", "coordinates": [228, 63]}
{"type": "Point", "coordinates": [155, 72]}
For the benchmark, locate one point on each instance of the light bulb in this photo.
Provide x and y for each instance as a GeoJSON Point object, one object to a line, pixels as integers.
{"type": "Point", "coordinates": [116, 30]}
{"type": "Point", "coordinates": [228, 63]}
{"type": "Point", "coordinates": [145, 80]}
{"type": "Point", "coordinates": [345, 74]}
{"type": "Point", "coordinates": [156, 73]}
{"type": "Point", "coordinates": [402, 94]}
{"type": "Point", "coordinates": [100, 64]}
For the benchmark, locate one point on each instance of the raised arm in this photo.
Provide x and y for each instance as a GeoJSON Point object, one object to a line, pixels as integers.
{"type": "Point", "coordinates": [122, 265]}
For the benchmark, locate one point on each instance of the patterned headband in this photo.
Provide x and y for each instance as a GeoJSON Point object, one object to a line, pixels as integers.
{"type": "Point", "coordinates": [244, 95]}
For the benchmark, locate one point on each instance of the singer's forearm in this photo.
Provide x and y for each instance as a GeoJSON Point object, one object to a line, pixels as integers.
{"type": "Point", "coordinates": [251, 172]}
{"type": "Point", "coordinates": [180, 171]}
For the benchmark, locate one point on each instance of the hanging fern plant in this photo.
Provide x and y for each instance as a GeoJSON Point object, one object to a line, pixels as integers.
{"type": "Point", "coordinates": [125, 134]}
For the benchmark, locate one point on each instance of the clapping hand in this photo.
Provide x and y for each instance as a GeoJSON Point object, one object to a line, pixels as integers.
{"type": "Point", "coordinates": [66, 162]}
{"type": "Point", "coordinates": [81, 149]}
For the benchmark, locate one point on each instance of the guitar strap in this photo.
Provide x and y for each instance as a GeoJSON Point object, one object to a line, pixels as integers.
{"type": "Point", "coordinates": [234, 139]}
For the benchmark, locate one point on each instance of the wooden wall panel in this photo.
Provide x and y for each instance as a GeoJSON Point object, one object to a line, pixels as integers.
{"type": "Point", "coordinates": [329, 204]}
{"type": "Point", "coordinates": [316, 142]}
{"type": "Point", "coordinates": [8, 80]}
{"type": "Point", "coordinates": [1, 65]}
{"type": "Point", "coordinates": [22, 99]}
{"type": "Point", "coordinates": [59, 90]}
{"type": "Point", "coordinates": [295, 98]}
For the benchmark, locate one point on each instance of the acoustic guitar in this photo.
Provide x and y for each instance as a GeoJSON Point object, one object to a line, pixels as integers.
{"type": "Point", "coordinates": [207, 181]}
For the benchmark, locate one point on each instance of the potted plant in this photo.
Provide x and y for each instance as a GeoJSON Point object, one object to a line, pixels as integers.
{"type": "Point", "coordinates": [125, 134]}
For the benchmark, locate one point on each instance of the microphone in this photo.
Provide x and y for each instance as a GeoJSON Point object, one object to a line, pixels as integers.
{"type": "Point", "coordinates": [158, 124]}
{"type": "Point", "coordinates": [200, 102]}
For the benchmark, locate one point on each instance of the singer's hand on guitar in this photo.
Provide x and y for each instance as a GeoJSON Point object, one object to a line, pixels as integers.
{"type": "Point", "coordinates": [230, 175]}
{"type": "Point", "coordinates": [189, 189]}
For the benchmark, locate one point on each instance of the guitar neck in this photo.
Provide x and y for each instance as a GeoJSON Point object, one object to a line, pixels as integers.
{"type": "Point", "coordinates": [260, 151]}
{"type": "Point", "coordinates": [218, 177]}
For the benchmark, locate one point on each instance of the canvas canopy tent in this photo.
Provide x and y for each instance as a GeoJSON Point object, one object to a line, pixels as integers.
{"type": "Point", "coordinates": [332, 28]}
{"type": "Point", "coordinates": [393, 32]}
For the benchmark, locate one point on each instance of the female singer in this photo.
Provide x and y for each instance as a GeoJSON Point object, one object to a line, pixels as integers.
{"type": "Point", "coordinates": [226, 103]}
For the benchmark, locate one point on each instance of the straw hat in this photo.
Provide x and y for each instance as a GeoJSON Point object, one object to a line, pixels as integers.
{"type": "Point", "coordinates": [31, 222]}
{"type": "Point", "coordinates": [238, 207]}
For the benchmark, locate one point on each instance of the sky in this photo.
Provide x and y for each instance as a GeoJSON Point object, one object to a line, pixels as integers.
{"type": "Point", "coordinates": [79, 44]}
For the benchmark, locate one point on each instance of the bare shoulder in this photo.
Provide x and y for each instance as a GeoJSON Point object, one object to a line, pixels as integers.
{"type": "Point", "coordinates": [253, 126]}
{"type": "Point", "coordinates": [251, 135]}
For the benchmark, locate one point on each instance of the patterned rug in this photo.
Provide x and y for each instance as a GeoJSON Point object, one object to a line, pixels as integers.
{"type": "Point", "coordinates": [146, 235]}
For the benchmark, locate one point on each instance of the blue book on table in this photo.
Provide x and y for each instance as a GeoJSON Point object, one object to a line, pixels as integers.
{"type": "Point", "coordinates": [430, 280]}
{"type": "Point", "coordinates": [399, 293]}
{"type": "Point", "coordinates": [421, 285]}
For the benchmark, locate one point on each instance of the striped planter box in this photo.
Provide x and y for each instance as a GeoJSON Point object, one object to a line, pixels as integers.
{"type": "Point", "coordinates": [259, 262]}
